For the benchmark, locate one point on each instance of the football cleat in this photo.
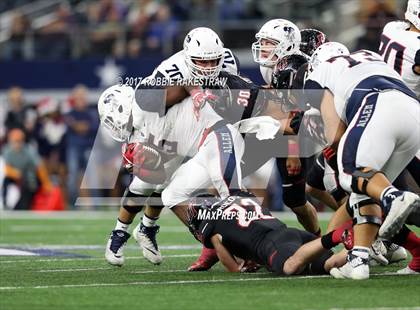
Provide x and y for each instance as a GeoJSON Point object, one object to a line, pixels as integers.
{"type": "Point", "coordinates": [407, 270]}
{"type": "Point", "coordinates": [400, 204]}
{"type": "Point", "coordinates": [146, 239]}
{"type": "Point", "coordinates": [394, 252]}
{"type": "Point", "coordinates": [356, 268]}
{"type": "Point", "coordinates": [206, 260]}
{"type": "Point", "coordinates": [377, 254]}
{"type": "Point", "coordinates": [114, 252]}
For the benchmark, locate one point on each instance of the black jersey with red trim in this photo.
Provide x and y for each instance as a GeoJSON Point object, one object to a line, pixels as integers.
{"type": "Point", "coordinates": [238, 98]}
{"type": "Point", "coordinates": [242, 223]}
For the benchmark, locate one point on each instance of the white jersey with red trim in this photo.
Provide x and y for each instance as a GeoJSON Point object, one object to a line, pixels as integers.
{"type": "Point", "coordinates": [175, 68]}
{"type": "Point", "coordinates": [400, 48]}
{"type": "Point", "coordinates": [343, 73]}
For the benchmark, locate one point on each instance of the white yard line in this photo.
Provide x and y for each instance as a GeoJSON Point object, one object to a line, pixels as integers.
{"type": "Point", "coordinates": [175, 247]}
{"type": "Point", "coordinates": [139, 283]}
{"type": "Point", "coordinates": [378, 308]}
{"type": "Point", "coordinates": [86, 259]}
{"type": "Point", "coordinates": [59, 227]}
{"type": "Point", "coordinates": [109, 268]}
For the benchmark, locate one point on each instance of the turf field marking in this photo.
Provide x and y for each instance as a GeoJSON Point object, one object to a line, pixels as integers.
{"type": "Point", "coordinates": [379, 308]}
{"type": "Point", "coordinates": [60, 227]}
{"type": "Point", "coordinates": [92, 247]}
{"type": "Point", "coordinates": [139, 283]}
{"type": "Point", "coordinates": [75, 269]}
{"type": "Point", "coordinates": [109, 268]}
{"type": "Point", "coordinates": [86, 259]}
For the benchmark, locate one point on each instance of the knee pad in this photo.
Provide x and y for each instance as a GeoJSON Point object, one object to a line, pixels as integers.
{"type": "Point", "coordinates": [156, 201]}
{"type": "Point", "coordinates": [294, 195]}
{"type": "Point", "coordinates": [137, 207]}
{"type": "Point", "coordinates": [365, 176]}
{"type": "Point", "coordinates": [358, 218]}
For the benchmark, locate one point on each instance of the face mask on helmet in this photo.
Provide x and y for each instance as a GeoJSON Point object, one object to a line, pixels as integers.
{"type": "Point", "coordinates": [114, 107]}
{"type": "Point", "coordinates": [204, 53]}
{"type": "Point", "coordinates": [284, 77]}
{"type": "Point", "coordinates": [285, 71]}
{"type": "Point", "coordinates": [325, 52]}
{"type": "Point", "coordinates": [412, 13]}
{"type": "Point", "coordinates": [277, 38]}
{"type": "Point", "coordinates": [196, 209]}
{"type": "Point", "coordinates": [311, 40]}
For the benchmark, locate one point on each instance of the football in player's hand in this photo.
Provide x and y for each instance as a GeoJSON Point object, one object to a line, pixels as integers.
{"type": "Point", "coordinates": [141, 155]}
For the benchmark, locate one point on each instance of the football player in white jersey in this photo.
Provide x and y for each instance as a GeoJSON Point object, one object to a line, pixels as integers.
{"type": "Point", "coordinates": [400, 46]}
{"type": "Point", "coordinates": [374, 118]}
{"type": "Point", "coordinates": [277, 39]}
{"type": "Point", "coordinates": [203, 56]}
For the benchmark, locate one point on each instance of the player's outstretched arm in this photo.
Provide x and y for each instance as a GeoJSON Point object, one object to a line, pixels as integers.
{"type": "Point", "coordinates": [224, 255]}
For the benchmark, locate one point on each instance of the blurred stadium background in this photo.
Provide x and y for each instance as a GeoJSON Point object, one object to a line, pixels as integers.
{"type": "Point", "coordinates": [57, 56]}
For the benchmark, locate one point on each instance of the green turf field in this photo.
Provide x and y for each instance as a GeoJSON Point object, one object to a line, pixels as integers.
{"type": "Point", "coordinates": [88, 282]}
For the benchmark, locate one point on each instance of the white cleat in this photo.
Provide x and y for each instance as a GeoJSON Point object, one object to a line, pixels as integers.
{"type": "Point", "coordinates": [407, 270]}
{"type": "Point", "coordinates": [400, 209]}
{"type": "Point", "coordinates": [146, 239]}
{"type": "Point", "coordinates": [394, 252]}
{"type": "Point", "coordinates": [114, 252]}
{"type": "Point", "coordinates": [356, 268]}
{"type": "Point", "coordinates": [377, 254]}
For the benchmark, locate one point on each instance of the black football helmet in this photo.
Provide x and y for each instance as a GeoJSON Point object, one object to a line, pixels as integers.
{"type": "Point", "coordinates": [311, 40]}
{"type": "Point", "coordinates": [200, 203]}
{"type": "Point", "coordinates": [285, 71]}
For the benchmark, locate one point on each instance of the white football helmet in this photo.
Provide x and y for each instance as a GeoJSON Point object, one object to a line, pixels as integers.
{"type": "Point", "coordinates": [412, 14]}
{"type": "Point", "coordinates": [114, 107]}
{"type": "Point", "coordinates": [326, 51]}
{"type": "Point", "coordinates": [285, 38]}
{"type": "Point", "coordinates": [203, 44]}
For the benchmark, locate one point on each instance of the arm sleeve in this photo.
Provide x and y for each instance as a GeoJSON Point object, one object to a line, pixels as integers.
{"type": "Point", "coordinates": [207, 231]}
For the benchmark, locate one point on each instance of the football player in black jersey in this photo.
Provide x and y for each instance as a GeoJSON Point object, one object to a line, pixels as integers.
{"type": "Point", "coordinates": [238, 228]}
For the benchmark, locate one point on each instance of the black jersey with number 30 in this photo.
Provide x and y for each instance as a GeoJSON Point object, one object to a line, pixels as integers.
{"type": "Point", "coordinates": [242, 223]}
{"type": "Point", "coordinates": [238, 98]}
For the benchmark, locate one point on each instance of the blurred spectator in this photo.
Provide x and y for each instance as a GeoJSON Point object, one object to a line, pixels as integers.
{"type": "Point", "coordinates": [205, 11]}
{"type": "Point", "coordinates": [24, 172]}
{"type": "Point", "coordinates": [380, 14]}
{"type": "Point", "coordinates": [82, 123]}
{"type": "Point", "coordinates": [20, 115]}
{"type": "Point", "coordinates": [134, 47]}
{"type": "Point", "coordinates": [50, 131]}
{"type": "Point", "coordinates": [3, 115]}
{"type": "Point", "coordinates": [106, 19]}
{"type": "Point", "coordinates": [14, 48]}
{"type": "Point", "coordinates": [53, 40]}
{"type": "Point", "coordinates": [139, 17]}
{"type": "Point", "coordinates": [232, 9]}
{"type": "Point", "coordinates": [162, 31]}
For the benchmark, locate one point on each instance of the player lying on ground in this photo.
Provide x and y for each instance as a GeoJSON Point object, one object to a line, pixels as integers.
{"type": "Point", "coordinates": [238, 227]}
